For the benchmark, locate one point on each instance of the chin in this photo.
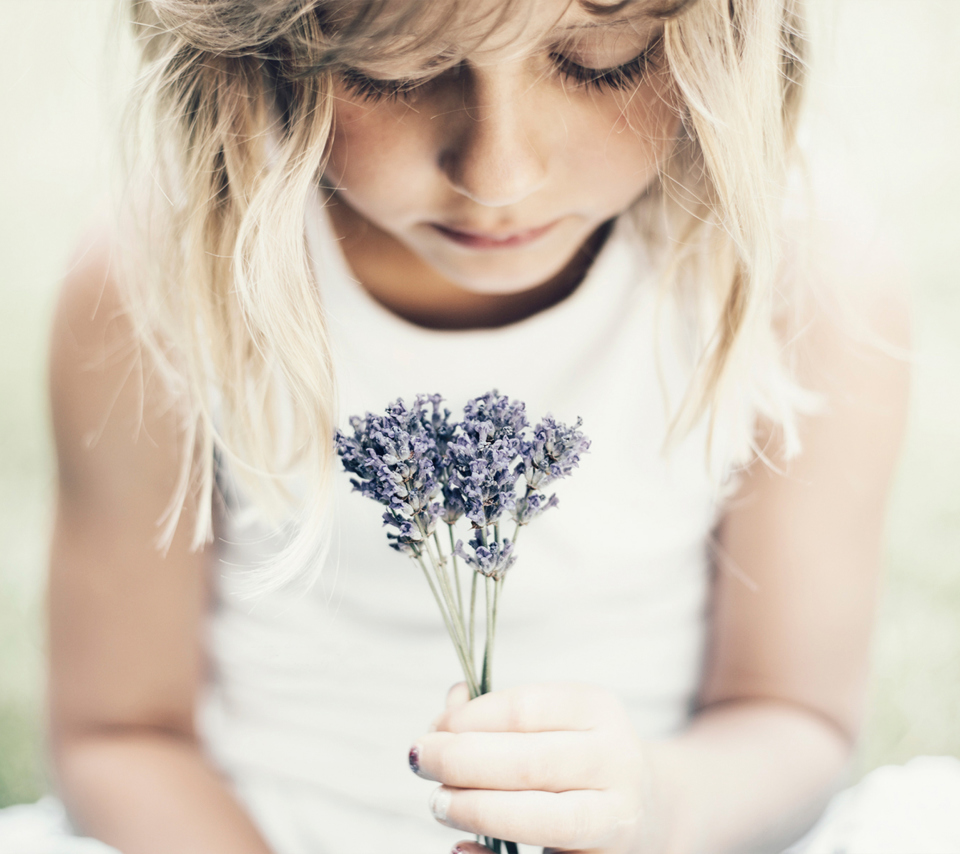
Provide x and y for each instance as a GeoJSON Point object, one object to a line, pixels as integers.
{"type": "Point", "coordinates": [499, 276]}
{"type": "Point", "coordinates": [498, 284]}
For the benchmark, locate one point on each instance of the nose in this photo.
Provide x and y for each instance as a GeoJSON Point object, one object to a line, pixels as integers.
{"type": "Point", "coordinates": [492, 154]}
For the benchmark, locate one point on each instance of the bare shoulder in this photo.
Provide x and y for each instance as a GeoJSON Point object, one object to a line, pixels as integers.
{"type": "Point", "coordinates": [802, 538]}
{"type": "Point", "coordinates": [851, 344]}
{"type": "Point", "coordinates": [853, 302]}
{"type": "Point", "coordinates": [123, 615]}
{"type": "Point", "coordinates": [110, 417]}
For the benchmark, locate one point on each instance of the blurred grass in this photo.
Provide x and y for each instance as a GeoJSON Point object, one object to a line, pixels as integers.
{"type": "Point", "coordinates": [52, 154]}
{"type": "Point", "coordinates": [889, 95]}
{"type": "Point", "coordinates": [894, 100]}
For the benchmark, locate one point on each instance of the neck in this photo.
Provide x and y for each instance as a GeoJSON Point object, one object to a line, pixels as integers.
{"type": "Point", "coordinates": [400, 281]}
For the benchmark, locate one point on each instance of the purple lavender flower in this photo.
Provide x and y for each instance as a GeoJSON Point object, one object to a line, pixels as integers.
{"type": "Point", "coordinates": [410, 533]}
{"type": "Point", "coordinates": [406, 458]}
{"type": "Point", "coordinates": [532, 505]}
{"type": "Point", "coordinates": [481, 477]}
{"type": "Point", "coordinates": [493, 414]}
{"type": "Point", "coordinates": [436, 423]}
{"type": "Point", "coordinates": [554, 452]}
{"type": "Point", "coordinates": [453, 505]}
{"type": "Point", "coordinates": [492, 559]}
{"type": "Point", "coordinates": [396, 462]}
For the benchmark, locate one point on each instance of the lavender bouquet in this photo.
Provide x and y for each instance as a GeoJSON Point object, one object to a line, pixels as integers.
{"type": "Point", "coordinates": [430, 472]}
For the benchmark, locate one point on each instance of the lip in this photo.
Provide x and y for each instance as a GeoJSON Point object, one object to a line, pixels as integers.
{"type": "Point", "coordinates": [487, 240]}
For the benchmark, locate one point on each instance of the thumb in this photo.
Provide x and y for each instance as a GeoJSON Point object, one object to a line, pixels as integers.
{"type": "Point", "coordinates": [458, 695]}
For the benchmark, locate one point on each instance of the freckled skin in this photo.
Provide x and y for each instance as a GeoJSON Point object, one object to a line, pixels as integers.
{"type": "Point", "coordinates": [494, 147]}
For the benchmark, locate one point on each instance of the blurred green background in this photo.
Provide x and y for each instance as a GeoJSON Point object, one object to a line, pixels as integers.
{"type": "Point", "coordinates": [887, 106]}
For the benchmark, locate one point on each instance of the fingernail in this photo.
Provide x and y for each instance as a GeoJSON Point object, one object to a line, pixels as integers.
{"type": "Point", "coordinates": [457, 850]}
{"type": "Point", "coordinates": [440, 802]}
{"type": "Point", "coordinates": [414, 758]}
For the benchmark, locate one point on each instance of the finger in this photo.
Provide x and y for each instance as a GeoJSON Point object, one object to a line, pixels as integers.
{"type": "Point", "coordinates": [470, 847]}
{"type": "Point", "coordinates": [532, 708]}
{"type": "Point", "coordinates": [458, 695]}
{"type": "Point", "coordinates": [512, 761]}
{"type": "Point", "coordinates": [466, 847]}
{"type": "Point", "coordinates": [566, 820]}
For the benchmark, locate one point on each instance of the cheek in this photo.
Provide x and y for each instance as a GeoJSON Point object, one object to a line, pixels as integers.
{"type": "Point", "coordinates": [652, 119]}
{"type": "Point", "coordinates": [378, 152]}
{"type": "Point", "coordinates": [620, 141]}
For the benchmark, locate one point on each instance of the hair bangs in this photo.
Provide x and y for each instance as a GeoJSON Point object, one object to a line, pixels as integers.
{"type": "Point", "coordinates": [661, 10]}
{"type": "Point", "coordinates": [396, 34]}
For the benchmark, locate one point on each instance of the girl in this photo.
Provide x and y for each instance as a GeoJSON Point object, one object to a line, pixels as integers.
{"type": "Point", "coordinates": [585, 204]}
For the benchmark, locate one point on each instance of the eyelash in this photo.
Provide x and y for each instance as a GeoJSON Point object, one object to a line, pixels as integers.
{"type": "Point", "coordinates": [370, 89]}
{"type": "Point", "coordinates": [617, 78]}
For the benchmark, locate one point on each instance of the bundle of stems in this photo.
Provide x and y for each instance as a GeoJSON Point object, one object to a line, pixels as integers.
{"type": "Point", "coordinates": [442, 571]}
{"type": "Point", "coordinates": [408, 458]}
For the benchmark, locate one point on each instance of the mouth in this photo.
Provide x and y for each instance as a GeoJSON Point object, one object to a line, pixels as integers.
{"type": "Point", "coordinates": [474, 239]}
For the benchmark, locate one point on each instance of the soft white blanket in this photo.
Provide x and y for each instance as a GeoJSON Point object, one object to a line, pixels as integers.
{"type": "Point", "coordinates": [897, 809]}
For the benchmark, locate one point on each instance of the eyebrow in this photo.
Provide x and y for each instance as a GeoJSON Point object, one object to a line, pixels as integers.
{"type": "Point", "coordinates": [660, 9]}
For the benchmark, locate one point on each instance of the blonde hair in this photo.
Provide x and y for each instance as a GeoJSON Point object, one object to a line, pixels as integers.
{"type": "Point", "coordinates": [232, 118]}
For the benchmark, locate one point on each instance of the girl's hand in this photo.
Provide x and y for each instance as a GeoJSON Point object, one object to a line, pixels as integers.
{"type": "Point", "coordinates": [556, 765]}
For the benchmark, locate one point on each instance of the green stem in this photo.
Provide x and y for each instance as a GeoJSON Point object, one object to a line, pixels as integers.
{"type": "Point", "coordinates": [489, 593]}
{"type": "Point", "coordinates": [439, 567]}
{"type": "Point", "coordinates": [473, 610]}
{"type": "Point", "coordinates": [456, 574]}
{"type": "Point", "coordinates": [443, 564]}
{"type": "Point", "coordinates": [465, 648]}
{"type": "Point", "coordinates": [464, 663]}
{"type": "Point", "coordinates": [440, 554]}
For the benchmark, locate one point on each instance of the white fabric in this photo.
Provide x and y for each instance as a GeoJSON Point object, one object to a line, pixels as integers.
{"type": "Point", "coordinates": [316, 699]}
{"type": "Point", "coordinates": [43, 828]}
{"type": "Point", "coordinates": [909, 809]}
{"type": "Point", "coordinates": [897, 809]}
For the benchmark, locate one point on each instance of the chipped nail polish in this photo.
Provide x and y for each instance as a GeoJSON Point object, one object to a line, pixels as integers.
{"type": "Point", "coordinates": [414, 759]}
{"type": "Point", "coordinates": [440, 803]}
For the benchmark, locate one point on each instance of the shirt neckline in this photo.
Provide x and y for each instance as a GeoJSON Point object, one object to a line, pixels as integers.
{"type": "Point", "coordinates": [336, 279]}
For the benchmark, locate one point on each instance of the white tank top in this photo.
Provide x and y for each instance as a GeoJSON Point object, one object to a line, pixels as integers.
{"type": "Point", "coordinates": [314, 699]}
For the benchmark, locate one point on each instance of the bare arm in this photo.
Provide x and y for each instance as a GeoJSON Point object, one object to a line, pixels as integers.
{"type": "Point", "coordinates": [784, 685]}
{"type": "Point", "coordinates": [795, 595]}
{"type": "Point", "coordinates": [125, 653]}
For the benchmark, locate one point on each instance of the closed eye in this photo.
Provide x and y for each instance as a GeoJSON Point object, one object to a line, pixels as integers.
{"type": "Point", "coordinates": [376, 89]}
{"type": "Point", "coordinates": [615, 77]}
{"type": "Point", "coordinates": [618, 77]}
